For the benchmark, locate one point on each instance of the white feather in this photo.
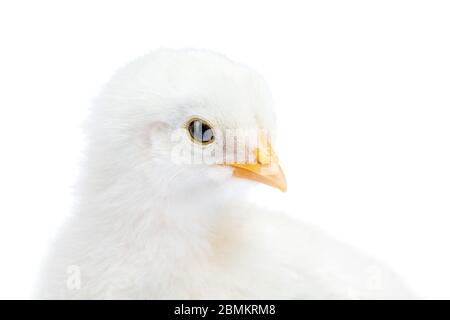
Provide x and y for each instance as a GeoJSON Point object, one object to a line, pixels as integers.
{"type": "Point", "coordinates": [148, 228]}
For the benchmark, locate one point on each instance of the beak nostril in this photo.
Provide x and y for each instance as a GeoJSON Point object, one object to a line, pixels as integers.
{"type": "Point", "coordinates": [263, 156]}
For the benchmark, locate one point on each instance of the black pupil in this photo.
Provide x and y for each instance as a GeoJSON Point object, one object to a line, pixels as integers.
{"type": "Point", "coordinates": [200, 131]}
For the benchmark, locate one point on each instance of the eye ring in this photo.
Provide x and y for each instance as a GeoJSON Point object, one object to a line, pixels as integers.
{"type": "Point", "coordinates": [200, 131]}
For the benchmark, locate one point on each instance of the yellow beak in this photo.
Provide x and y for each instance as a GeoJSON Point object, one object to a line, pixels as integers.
{"type": "Point", "coordinates": [264, 170]}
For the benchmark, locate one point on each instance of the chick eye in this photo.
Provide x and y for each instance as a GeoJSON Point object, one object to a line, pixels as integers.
{"type": "Point", "coordinates": [200, 131]}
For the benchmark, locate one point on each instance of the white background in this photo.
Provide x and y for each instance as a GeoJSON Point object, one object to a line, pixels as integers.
{"type": "Point", "coordinates": [362, 88]}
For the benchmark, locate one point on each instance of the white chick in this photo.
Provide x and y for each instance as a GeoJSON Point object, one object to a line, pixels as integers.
{"type": "Point", "coordinates": [151, 223]}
